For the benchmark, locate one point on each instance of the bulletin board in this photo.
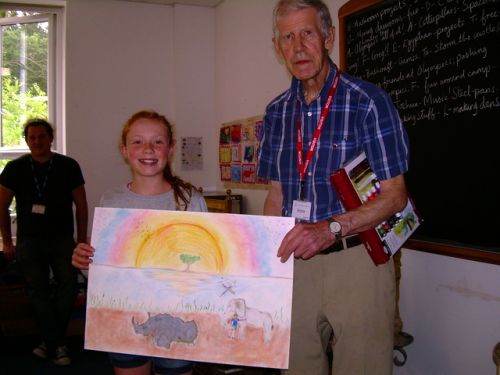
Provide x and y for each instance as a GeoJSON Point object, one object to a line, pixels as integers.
{"type": "Point", "coordinates": [440, 63]}
{"type": "Point", "coordinates": [238, 153]}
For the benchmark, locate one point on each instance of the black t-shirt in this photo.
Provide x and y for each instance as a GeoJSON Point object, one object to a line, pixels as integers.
{"type": "Point", "coordinates": [52, 188]}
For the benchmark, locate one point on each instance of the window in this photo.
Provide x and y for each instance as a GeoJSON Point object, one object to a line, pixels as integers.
{"type": "Point", "coordinates": [31, 75]}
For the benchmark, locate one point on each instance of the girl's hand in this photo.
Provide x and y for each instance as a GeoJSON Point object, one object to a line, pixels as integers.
{"type": "Point", "coordinates": [82, 256]}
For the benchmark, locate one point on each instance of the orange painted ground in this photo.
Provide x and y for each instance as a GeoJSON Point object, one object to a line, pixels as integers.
{"type": "Point", "coordinates": [107, 328]}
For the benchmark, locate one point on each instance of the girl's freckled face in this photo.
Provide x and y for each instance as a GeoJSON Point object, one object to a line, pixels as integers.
{"type": "Point", "coordinates": [148, 148]}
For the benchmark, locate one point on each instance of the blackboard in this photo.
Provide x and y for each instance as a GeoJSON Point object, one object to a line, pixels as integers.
{"type": "Point", "coordinates": [440, 62]}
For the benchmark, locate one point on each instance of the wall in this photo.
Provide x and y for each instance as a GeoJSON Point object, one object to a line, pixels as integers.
{"type": "Point", "coordinates": [452, 307]}
{"type": "Point", "coordinates": [120, 57]}
{"type": "Point", "coordinates": [194, 83]}
{"type": "Point", "coordinates": [248, 74]}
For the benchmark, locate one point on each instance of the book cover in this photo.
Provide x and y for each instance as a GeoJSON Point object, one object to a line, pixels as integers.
{"type": "Point", "coordinates": [356, 184]}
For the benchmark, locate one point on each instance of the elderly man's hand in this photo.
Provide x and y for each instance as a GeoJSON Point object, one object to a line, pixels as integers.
{"type": "Point", "coordinates": [306, 240]}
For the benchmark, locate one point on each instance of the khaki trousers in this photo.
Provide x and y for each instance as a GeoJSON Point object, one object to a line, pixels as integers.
{"type": "Point", "coordinates": [344, 299]}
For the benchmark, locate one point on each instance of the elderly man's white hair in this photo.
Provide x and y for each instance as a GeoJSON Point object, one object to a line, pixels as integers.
{"type": "Point", "coordinates": [284, 7]}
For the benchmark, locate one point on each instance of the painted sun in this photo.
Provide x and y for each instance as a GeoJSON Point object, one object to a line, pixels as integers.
{"type": "Point", "coordinates": [169, 247]}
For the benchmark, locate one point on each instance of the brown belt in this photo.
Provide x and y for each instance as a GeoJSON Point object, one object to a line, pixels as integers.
{"type": "Point", "coordinates": [343, 244]}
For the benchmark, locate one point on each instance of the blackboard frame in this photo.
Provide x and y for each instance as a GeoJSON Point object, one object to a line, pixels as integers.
{"type": "Point", "coordinates": [457, 251]}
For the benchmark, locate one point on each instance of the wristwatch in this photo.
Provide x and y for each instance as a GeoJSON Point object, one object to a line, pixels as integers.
{"type": "Point", "coordinates": [335, 227]}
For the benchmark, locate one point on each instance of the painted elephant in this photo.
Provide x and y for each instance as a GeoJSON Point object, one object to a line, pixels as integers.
{"type": "Point", "coordinates": [248, 316]}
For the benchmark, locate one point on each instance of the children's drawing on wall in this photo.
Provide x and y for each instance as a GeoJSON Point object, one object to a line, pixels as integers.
{"type": "Point", "coordinates": [236, 133]}
{"type": "Point", "coordinates": [249, 153]}
{"type": "Point", "coordinates": [248, 173]}
{"type": "Point", "coordinates": [225, 172]}
{"type": "Point", "coordinates": [225, 154]}
{"type": "Point", "coordinates": [201, 286]}
{"type": "Point", "coordinates": [248, 133]}
{"type": "Point", "coordinates": [242, 137]}
{"type": "Point", "coordinates": [236, 153]}
{"type": "Point", "coordinates": [225, 135]}
{"type": "Point", "coordinates": [236, 173]}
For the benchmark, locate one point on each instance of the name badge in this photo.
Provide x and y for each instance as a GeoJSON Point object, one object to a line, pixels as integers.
{"type": "Point", "coordinates": [38, 209]}
{"type": "Point", "coordinates": [301, 210]}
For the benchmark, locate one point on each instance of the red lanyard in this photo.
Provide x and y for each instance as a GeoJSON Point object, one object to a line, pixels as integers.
{"type": "Point", "coordinates": [303, 165]}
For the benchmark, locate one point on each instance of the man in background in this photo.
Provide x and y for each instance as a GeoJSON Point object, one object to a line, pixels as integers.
{"type": "Point", "coordinates": [311, 130]}
{"type": "Point", "coordinates": [45, 185]}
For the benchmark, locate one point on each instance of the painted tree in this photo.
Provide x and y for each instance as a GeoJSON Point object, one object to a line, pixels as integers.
{"type": "Point", "coordinates": [188, 260]}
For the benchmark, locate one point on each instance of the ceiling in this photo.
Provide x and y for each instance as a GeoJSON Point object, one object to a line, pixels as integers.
{"type": "Point", "coordinates": [206, 3]}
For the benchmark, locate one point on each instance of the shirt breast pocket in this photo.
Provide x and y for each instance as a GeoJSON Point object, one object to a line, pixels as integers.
{"type": "Point", "coordinates": [338, 151]}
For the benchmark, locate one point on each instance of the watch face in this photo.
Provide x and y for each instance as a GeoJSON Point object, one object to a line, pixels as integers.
{"type": "Point", "coordinates": [335, 227]}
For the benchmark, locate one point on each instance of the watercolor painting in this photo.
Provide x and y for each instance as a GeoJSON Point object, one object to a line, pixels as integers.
{"type": "Point", "coordinates": [201, 286]}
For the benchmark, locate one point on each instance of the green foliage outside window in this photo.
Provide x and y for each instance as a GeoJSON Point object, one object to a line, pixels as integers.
{"type": "Point", "coordinates": [17, 108]}
{"type": "Point", "coordinates": [24, 52]}
{"type": "Point", "coordinates": [35, 35]}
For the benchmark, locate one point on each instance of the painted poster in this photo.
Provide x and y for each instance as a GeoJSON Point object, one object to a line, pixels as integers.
{"type": "Point", "coordinates": [201, 286]}
{"type": "Point", "coordinates": [238, 153]}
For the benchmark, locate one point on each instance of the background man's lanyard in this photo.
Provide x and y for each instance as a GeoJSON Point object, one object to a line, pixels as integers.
{"type": "Point", "coordinates": [303, 165]}
{"type": "Point", "coordinates": [40, 189]}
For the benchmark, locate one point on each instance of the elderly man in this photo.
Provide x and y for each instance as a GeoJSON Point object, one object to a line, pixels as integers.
{"type": "Point", "coordinates": [323, 120]}
{"type": "Point", "coordinates": [45, 185]}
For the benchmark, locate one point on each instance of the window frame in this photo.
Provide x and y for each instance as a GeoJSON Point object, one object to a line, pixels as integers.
{"type": "Point", "coordinates": [55, 72]}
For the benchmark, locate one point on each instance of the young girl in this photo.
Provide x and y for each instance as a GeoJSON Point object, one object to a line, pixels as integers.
{"type": "Point", "coordinates": [147, 145]}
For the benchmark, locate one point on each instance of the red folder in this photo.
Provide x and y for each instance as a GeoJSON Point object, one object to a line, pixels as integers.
{"type": "Point", "coordinates": [355, 184]}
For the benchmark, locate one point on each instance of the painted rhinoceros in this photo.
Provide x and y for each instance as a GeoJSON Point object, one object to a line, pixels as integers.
{"type": "Point", "coordinates": [165, 328]}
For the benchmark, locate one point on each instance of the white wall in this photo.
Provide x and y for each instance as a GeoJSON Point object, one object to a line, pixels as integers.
{"type": "Point", "coordinates": [194, 83]}
{"type": "Point", "coordinates": [248, 74]}
{"type": "Point", "coordinates": [452, 307]}
{"type": "Point", "coordinates": [120, 58]}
